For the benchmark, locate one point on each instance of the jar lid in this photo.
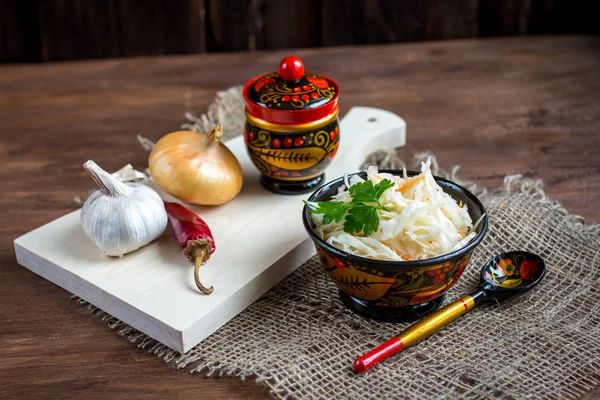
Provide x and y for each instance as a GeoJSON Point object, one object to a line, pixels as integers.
{"type": "Point", "coordinates": [291, 96]}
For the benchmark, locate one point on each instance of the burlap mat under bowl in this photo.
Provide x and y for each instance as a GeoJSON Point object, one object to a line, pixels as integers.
{"type": "Point", "coordinates": [300, 341]}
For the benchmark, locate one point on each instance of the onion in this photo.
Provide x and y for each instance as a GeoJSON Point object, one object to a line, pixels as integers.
{"type": "Point", "coordinates": [196, 167]}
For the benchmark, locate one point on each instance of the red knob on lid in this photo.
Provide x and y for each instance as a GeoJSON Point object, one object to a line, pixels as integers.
{"type": "Point", "coordinates": [291, 68]}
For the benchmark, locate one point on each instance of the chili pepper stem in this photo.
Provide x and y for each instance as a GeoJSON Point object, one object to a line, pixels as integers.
{"type": "Point", "coordinates": [194, 238]}
{"type": "Point", "coordinates": [198, 261]}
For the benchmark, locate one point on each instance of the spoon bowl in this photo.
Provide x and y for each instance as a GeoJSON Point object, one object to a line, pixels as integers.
{"type": "Point", "coordinates": [511, 273]}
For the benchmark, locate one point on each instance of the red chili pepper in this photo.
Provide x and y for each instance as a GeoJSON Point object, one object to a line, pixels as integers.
{"type": "Point", "coordinates": [194, 238]}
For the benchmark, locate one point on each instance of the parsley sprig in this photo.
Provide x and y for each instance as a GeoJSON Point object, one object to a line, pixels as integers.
{"type": "Point", "coordinates": [361, 212]}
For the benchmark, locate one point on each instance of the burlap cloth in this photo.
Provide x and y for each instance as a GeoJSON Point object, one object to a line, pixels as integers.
{"type": "Point", "coordinates": [300, 341]}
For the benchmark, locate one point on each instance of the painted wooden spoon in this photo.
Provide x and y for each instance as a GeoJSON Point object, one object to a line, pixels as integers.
{"type": "Point", "coordinates": [503, 276]}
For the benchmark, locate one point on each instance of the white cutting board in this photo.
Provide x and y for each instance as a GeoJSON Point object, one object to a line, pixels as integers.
{"type": "Point", "coordinates": [259, 238]}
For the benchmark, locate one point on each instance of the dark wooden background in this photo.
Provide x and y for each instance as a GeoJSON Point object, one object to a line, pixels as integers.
{"type": "Point", "coordinates": [56, 30]}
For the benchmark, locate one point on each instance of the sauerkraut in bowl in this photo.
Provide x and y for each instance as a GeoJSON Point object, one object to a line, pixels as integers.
{"type": "Point", "coordinates": [417, 219]}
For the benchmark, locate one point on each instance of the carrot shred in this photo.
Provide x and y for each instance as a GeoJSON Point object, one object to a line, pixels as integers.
{"type": "Point", "coordinates": [410, 183]}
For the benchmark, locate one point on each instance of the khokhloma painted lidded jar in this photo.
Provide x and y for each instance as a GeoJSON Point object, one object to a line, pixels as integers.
{"type": "Point", "coordinates": [292, 131]}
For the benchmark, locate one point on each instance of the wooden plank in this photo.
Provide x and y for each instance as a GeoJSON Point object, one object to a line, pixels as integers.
{"type": "Point", "coordinates": [375, 21]}
{"type": "Point", "coordinates": [197, 28]}
{"type": "Point", "coordinates": [79, 29]}
{"type": "Point", "coordinates": [564, 16]}
{"type": "Point", "coordinates": [262, 24]}
{"type": "Point", "coordinates": [389, 21]}
{"type": "Point", "coordinates": [290, 24]}
{"type": "Point", "coordinates": [337, 26]}
{"type": "Point", "coordinates": [152, 289]}
{"type": "Point", "coordinates": [75, 29]}
{"type": "Point", "coordinates": [229, 24]}
{"type": "Point", "coordinates": [508, 17]}
{"type": "Point", "coordinates": [19, 32]}
{"type": "Point", "coordinates": [160, 27]}
{"type": "Point", "coordinates": [452, 20]}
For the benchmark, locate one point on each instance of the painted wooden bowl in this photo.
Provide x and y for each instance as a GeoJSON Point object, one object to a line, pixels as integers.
{"type": "Point", "coordinates": [395, 290]}
{"type": "Point", "coordinates": [291, 129]}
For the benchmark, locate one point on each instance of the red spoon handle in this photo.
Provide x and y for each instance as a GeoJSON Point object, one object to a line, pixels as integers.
{"type": "Point", "coordinates": [375, 356]}
{"type": "Point", "coordinates": [415, 333]}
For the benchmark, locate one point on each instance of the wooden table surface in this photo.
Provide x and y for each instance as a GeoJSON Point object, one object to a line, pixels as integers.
{"type": "Point", "coordinates": [502, 106]}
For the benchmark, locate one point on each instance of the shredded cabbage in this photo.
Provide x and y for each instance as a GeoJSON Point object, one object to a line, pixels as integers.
{"type": "Point", "coordinates": [423, 221]}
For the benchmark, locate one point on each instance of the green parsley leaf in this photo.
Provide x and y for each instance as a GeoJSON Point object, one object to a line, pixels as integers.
{"type": "Point", "coordinates": [331, 210]}
{"type": "Point", "coordinates": [381, 187]}
{"type": "Point", "coordinates": [365, 192]}
{"type": "Point", "coordinates": [362, 218]}
{"type": "Point", "coordinates": [360, 213]}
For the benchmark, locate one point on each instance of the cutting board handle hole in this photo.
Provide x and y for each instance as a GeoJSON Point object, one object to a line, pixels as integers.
{"type": "Point", "coordinates": [372, 119]}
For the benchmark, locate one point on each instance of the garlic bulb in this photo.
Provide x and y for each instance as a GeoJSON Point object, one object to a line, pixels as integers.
{"type": "Point", "coordinates": [121, 217]}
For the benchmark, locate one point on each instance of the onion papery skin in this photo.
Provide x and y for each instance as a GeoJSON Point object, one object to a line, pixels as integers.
{"type": "Point", "coordinates": [196, 167]}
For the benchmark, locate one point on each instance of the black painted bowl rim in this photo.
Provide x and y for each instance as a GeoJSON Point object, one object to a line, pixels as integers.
{"type": "Point", "coordinates": [358, 260]}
